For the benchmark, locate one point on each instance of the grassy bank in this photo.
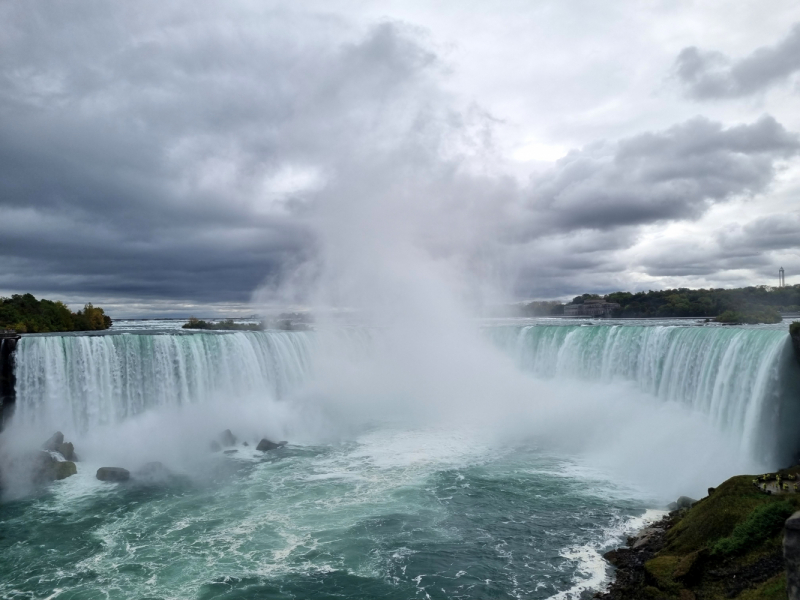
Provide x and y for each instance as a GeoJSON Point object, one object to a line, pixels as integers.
{"type": "Point", "coordinates": [728, 545]}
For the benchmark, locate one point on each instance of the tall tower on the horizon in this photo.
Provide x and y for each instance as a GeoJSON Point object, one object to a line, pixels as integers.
{"type": "Point", "coordinates": [781, 278]}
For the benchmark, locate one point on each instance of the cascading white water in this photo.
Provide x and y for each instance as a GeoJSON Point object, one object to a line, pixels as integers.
{"type": "Point", "coordinates": [81, 381]}
{"type": "Point", "coordinates": [745, 379]}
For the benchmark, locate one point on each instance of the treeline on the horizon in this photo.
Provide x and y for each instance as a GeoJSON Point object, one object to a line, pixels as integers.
{"type": "Point", "coordinates": [25, 314]}
{"type": "Point", "coordinates": [761, 304]}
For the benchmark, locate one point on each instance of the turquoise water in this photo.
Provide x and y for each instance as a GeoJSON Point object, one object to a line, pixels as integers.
{"type": "Point", "coordinates": [500, 470]}
{"type": "Point", "coordinates": [393, 514]}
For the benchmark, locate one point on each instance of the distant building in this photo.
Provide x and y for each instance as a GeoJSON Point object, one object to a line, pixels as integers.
{"type": "Point", "coordinates": [591, 308]}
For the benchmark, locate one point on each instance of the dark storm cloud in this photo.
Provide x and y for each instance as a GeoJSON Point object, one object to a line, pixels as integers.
{"type": "Point", "coordinates": [669, 175]}
{"type": "Point", "coordinates": [707, 74]}
{"type": "Point", "coordinates": [764, 234]}
{"type": "Point", "coordinates": [157, 151]}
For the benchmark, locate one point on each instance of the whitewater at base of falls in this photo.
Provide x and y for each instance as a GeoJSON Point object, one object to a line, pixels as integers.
{"type": "Point", "coordinates": [391, 514]}
{"type": "Point", "coordinates": [598, 426]}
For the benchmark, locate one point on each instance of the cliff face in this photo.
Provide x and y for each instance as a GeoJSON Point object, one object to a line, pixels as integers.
{"type": "Point", "coordinates": [7, 378]}
{"type": "Point", "coordinates": [794, 333]}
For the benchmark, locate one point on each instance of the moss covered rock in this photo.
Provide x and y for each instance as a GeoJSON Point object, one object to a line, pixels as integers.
{"type": "Point", "coordinates": [727, 545]}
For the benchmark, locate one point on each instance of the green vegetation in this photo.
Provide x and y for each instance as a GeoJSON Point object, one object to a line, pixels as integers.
{"type": "Point", "coordinates": [766, 315]}
{"type": "Point", "coordinates": [794, 328]}
{"type": "Point", "coordinates": [25, 314]}
{"type": "Point", "coordinates": [226, 325]}
{"type": "Point", "coordinates": [683, 302]}
{"type": "Point", "coordinates": [728, 545]}
{"type": "Point", "coordinates": [759, 304]}
{"type": "Point", "coordinates": [761, 524]}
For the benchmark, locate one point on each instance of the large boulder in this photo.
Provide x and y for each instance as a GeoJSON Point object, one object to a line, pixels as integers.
{"type": "Point", "coordinates": [54, 442]}
{"type": "Point", "coordinates": [64, 468]}
{"type": "Point", "coordinates": [226, 438]}
{"type": "Point", "coordinates": [67, 450]}
{"type": "Point", "coordinates": [47, 468]}
{"type": "Point", "coordinates": [266, 444]}
{"type": "Point", "coordinates": [113, 474]}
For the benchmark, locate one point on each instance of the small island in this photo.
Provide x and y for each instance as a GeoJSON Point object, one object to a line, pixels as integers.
{"type": "Point", "coordinates": [285, 322]}
{"type": "Point", "coordinates": [225, 325]}
{"type": "Point", "coordinates": [23, 313]}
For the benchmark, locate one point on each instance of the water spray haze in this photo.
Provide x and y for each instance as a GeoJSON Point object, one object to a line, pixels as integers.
{"type": "Point", "coordinates": [429, 365]}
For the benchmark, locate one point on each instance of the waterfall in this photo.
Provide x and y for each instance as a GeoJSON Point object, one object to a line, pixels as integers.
{"type": "Point", "coordinates": [80, 381]}
{"type": "Point", "coordinates": [744, 379]}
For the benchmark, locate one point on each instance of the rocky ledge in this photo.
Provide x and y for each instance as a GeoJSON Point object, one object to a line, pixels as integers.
{"type": "Point", "coordinates": [630, 577]}
{"type": "Point", "coordinates": [727, 545]}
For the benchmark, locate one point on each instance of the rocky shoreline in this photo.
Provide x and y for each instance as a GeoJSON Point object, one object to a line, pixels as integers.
{"type": "Point", "coordinates": [727, 545]}
{"type": "Point", "coordinates": [629, 561]}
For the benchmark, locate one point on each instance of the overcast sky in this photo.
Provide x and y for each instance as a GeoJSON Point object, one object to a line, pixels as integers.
{"type": "Point", "coordinates": [188, 158]}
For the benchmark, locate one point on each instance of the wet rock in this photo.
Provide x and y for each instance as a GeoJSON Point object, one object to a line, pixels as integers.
{"type": "Point", "coordinates": [113, 474]}
{"type": "Point", "coordinates": [264, 445]}
{"type": "Point", "coordinates": [646, 536]}
{"type": "Point", "coordinates": [63, 469]}
{"type": "Point", "coordinates": [227, 438]}
{"type": "Point", "coordinates": [685, 502]}
{"type": "Point", "coordinates": [614, 557]}
{"type": "Point", "coordinates": [54, 442]}
{"type": "Point", "coordinates": [47, 468]}
{"type": "Point", "coordinates": [234, 451]}
{"type": "Point", "coordinates": [630, 563]}
{"type": "Point", "coordinates": [67, 450]}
